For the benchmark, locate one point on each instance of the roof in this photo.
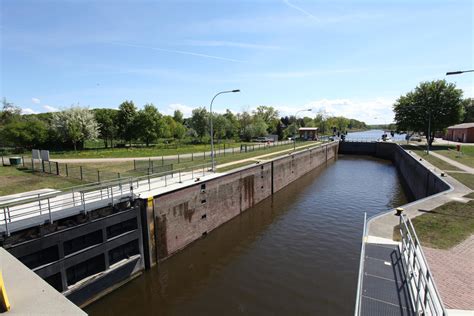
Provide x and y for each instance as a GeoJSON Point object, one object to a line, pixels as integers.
{"type": "Point", "coordinates": [463, 125]}
{"type": "Point", "coordinates": [308, 129]}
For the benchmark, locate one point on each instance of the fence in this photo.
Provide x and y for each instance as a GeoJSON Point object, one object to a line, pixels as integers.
{"type": "Point", "coordinates": [425, 296]}
{"type": "Point", "coordinates": [90, 196]}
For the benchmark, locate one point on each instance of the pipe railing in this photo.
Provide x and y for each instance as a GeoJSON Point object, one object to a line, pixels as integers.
{"type": "Point", "coordinates": [424, 294]}
{"type": "Point", "coordinates": [80, 197]}
{"type": "Point", "coordinates": [360, 280]}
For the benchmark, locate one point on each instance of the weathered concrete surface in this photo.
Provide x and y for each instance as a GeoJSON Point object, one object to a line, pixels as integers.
{"type": "Point", "coordinates": [184, 215]}
{"type": "Point", "coordinates": [29, 294]}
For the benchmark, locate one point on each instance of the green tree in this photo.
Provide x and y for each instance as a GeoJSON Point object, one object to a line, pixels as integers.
{"type": "Point", "coordinates": [468, 110]}
{"type": "Point", "coordinates": [107, 120]}
{"type": "Point", "coordinates": [269, 115]}
{"type": "Point", "coordinates": [28, 132]}
{"type": "Point", "coordinates": [431, 106]}
{"type": "Point", "coordinates": [126, 121]}
{"type": "Point", "coordinates": [199, 121]}
{"type": "Point", "coordinates": [220, 125]}
{"type": "Point", "coordinates": [178, 116]}
{"type": "Point", "coordinates": [149, 124]}
{"type": "Point", "coordinates": [8, 112]}
{"type": "Point", "coordinates": [75, 125]}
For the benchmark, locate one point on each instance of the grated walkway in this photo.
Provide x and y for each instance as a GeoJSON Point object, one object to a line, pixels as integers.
{"type": "Point", "coordinates": [384, 287]}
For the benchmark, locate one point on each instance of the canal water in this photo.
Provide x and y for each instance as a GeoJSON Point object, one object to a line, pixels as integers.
{"type": "Point", "coordinates": [295, 253]}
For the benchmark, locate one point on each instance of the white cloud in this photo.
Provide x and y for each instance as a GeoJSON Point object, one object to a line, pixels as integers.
{"type": "Point", "coordinates": [50, 108]}
{"type": "Point", "coordinates": [35, 100]}
{"type": "Point", "coordinates": [301, 10]}
{"type": "Point", "coordinates": [185, 109]}
{"type": "Point", "coordinates": [371, 111]}
{"type": "Point", "coordinates": [28, 111]}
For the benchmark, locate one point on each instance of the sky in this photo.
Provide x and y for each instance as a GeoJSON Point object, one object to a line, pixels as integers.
{"type": "Point", "coordinates": [350, 58]}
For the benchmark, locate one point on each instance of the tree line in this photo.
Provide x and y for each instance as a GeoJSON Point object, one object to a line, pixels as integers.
{"type": "Point", "coordinates": [128, 125]}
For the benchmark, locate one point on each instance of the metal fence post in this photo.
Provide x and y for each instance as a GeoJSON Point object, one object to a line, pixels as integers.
{"type": "Point", "coordinates": [49, 163]}
{"type": "Point", "coordinates": [32, 165]}
{"type": "Point", "coordinates": [57, 168]}
{"type": "Point", "coordinates": [152, 169]}
{"type": "Point", "coordinates": [80, 167]}
{"type": "Point", "coordinates": [134, 165]}
{"type": "Point", "coordinates": [22, 160]}
{"type": "Point", "coordinates": [180, 176]}
{"type": "Point", "coordinates": [162, 161]}
{"type": "Point", "coordinates": [67, 171]}
{"type": "Point", "coordinates": [49, 211]}
{"type": "Point", "coordinates": [192, 156]}
{"type": "Point", "coordinates": [6, 222]}
{"type": "Point", "coordinates": [98, 177]}
{"type": "Point", "coordinates": [42, 164]}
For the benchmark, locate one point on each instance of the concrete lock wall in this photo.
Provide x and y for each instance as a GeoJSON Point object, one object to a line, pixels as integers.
{"type": "Point", "coordinates": [419, 181]}
{"type": "Point", "coordinates": [180, 217]}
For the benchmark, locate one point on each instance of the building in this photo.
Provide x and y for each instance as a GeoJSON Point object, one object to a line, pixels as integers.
{"type": "Point", "coordinates": [463, 133]}
{"type": "Point", "coordinates": [308, 133]}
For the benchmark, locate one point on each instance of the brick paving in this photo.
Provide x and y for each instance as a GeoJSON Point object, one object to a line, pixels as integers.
{"type": "Point", "coordinates": [453, 272]}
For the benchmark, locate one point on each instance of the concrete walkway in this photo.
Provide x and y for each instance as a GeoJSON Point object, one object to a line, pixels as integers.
{"type": "Point", "coordinates": [455, 163]}
{"type": "Point", "coordinates": [453, 268]}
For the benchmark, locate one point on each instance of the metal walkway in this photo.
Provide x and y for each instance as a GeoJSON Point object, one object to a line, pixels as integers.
{"type": "Point", "coordinates": [384, 288]}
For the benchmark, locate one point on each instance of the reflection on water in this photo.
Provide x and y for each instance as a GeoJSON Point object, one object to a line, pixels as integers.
{"type": "Point", "coordinates": [295, 253]}
{"type": "Point", "coordinates": [373, 134]}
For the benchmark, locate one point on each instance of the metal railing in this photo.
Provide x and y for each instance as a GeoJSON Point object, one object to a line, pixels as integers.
{"type": "Point", "coordinates": [360, 280]}
{"type": "Point", "coordinates": [86, 197]}
{"type": "Point", "coordinates": [424, 294]}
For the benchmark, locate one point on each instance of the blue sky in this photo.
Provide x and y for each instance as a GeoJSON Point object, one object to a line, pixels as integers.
{"type": "Point", "coordinates": [351, 58]}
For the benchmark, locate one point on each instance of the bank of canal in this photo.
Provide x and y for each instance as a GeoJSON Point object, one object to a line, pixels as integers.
{"type": "Point", "coordinates": [296, 252]}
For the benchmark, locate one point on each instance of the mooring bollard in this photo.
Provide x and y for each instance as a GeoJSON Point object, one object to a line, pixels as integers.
{"type": "Point", "coordinates": [399, 211]}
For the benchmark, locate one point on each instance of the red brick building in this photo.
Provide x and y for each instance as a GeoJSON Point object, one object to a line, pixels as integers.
{"type": "Point", "coordinates": [463, 133]}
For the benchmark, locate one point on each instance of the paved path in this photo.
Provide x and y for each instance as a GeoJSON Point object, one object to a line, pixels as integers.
{"type": "Point", "coordinates": [453, 271]}
{"type": "Point", "coordinates": [455, 163]}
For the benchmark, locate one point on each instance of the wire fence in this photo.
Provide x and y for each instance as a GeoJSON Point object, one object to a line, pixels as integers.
{"type": "Point", "coordinates": [136, 167]}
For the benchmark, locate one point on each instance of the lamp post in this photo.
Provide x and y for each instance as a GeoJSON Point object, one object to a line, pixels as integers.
{"type": "Point", "coordinates": [458, 72]}
{"type": "Point", "coordinates": [213, 163]}
{"type": "Point", "coordinates": [296, 124]}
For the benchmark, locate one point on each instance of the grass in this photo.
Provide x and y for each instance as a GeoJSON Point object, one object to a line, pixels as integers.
{"type": "Point", "coordinates": [153, 151]}
{"type": "Point", "coordinates": [13, 180]}
{"type": "Point", "coordinates": [235, 166]}
{"type": "Point", "coordinates": [445, 226]}
{"type": "Point", "coordinates": [465, 178]}
{"type": "Point", "coordinates": [470, 195]}
{"type": "Point", "coordinates": [466, 158]}
{"type": "Point", "coordinates": [438, 163]}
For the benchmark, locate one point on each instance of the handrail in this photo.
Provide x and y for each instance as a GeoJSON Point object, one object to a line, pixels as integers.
{"type": "Point", "coordinates": [424, 293]}
{"type": "Point", "coordinates": [361, 268]}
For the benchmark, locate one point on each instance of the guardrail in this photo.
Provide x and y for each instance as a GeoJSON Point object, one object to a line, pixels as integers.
{"type": "Point", "coordinates": [360, 280]}
{"type": "Point", "coordinates": [425, 296]}
{"type": "Point", "coordinates": [85, 197]}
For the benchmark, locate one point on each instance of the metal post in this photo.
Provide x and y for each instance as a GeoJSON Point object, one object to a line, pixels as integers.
{"type": "Point", "coordinates": [73, 198]}
{"type": "Point", "coordinates": [162, 161]}
{"type": "Point", "coordinates": [152, 168]}
{"type": "Point", "coordinates": [180, 176]}
{"type": "Point", "coordinates": [49, 211]}
{"type": "Point", "coordinates": [98, 175]}
{"type": "Point", "coordinates": [134, 165]}
{"type": "Point", "coordinates": [165, 181]}
{"type": "Point", "coordinates": [80, 168]}
{"type": "Point", "coordinates": [22, 160]}
{"type": "Point", "coordinates": [192, 156]}
{"type": "Point", "coordinates": [42, 164]}
{"type": "Point", "coordinates": [57, 168]}
{"type": "Point", "coordinates": [112, 194]}
{"type": "Point", "coordinates": [32, 165]}
{"type": "Point", "coordinates": [178, 158]}
{"type": "Point", "coordinates": [49, 163]}
{"type": "Point", "coordinates": [83, 197]}
{"type": "Point", "coordinates": [149, 186]}
{"type": "Point", "coordinates": [6, 222]}
{"type": "Point", "coordinates": [39, 203]}
{"type": "Point", "coordinates": [67, 171]}
{"type": "Point", "coordinates": [429, 133]}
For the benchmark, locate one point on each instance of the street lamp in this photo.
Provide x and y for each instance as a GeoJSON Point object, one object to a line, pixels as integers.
{"type": "Point", "coordinates": [213, 163]}
{"type": "Point", "coordinates": [296, 124]}
{"type": "Point", "coordinates": [458, 72]}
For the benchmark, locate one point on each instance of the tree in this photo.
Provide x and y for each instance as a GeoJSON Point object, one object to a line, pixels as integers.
{"type": "Point", "coordinates": [431, 106]}
{"type": "Point", "coordinates": [126, 120]}
{"type": "Point", "coordinates": [219, 127]}
{"type": "Point", "coordinates": [148, 124]}
{"type": "Point", "coordinates": [269, 115]}
{"type": "Point", "coordinates": [28, 132]}
{"type": "Point", "coordinates": [75, 125]}
{"type": "Point", "coordinates": [178, 116]}
{"type": "Point", "coordinates": [468, 110]}
{"type": "Point", "coordinates": [107, 120]}
{"type": "Point", "coordinates": [199, 121]}
{"type": "Point", "coordinates": [9, 112]}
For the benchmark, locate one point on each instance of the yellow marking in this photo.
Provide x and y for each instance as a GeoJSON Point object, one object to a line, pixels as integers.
{"type": "Point", "coordinates": [150, 201]}
{"type": "Point", "coordinates": [4, 303]}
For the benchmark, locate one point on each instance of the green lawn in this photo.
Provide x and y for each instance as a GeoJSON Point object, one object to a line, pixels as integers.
{"type": "Point", "coordinates": [470, 195]}
{"type": "Point", "coordinates": [441, 164]}
{"type": "Point", "coordinates": [445, 226]}
{"type": "Point", "coordinates": [152, 151]}
{"type": "Point", "coordinates": [465, 178]}
{"type": "Point", "coordinates": [14, 180]}
{"type": "Point", "coordinates": [467, 156]}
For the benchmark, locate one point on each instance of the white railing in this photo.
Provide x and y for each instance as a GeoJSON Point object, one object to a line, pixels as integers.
{"type": "Point", "coordinates": [87, 197]}
{"type": "Point", "coordinates": [360, 280]}
{"type": "Point", "coordinates": [424, 294]}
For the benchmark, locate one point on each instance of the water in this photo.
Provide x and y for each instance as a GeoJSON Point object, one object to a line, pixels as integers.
{"type": "Point", "coordinates": [296, 253]}
{"type": "Point", "coordinates": [373, 134]}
